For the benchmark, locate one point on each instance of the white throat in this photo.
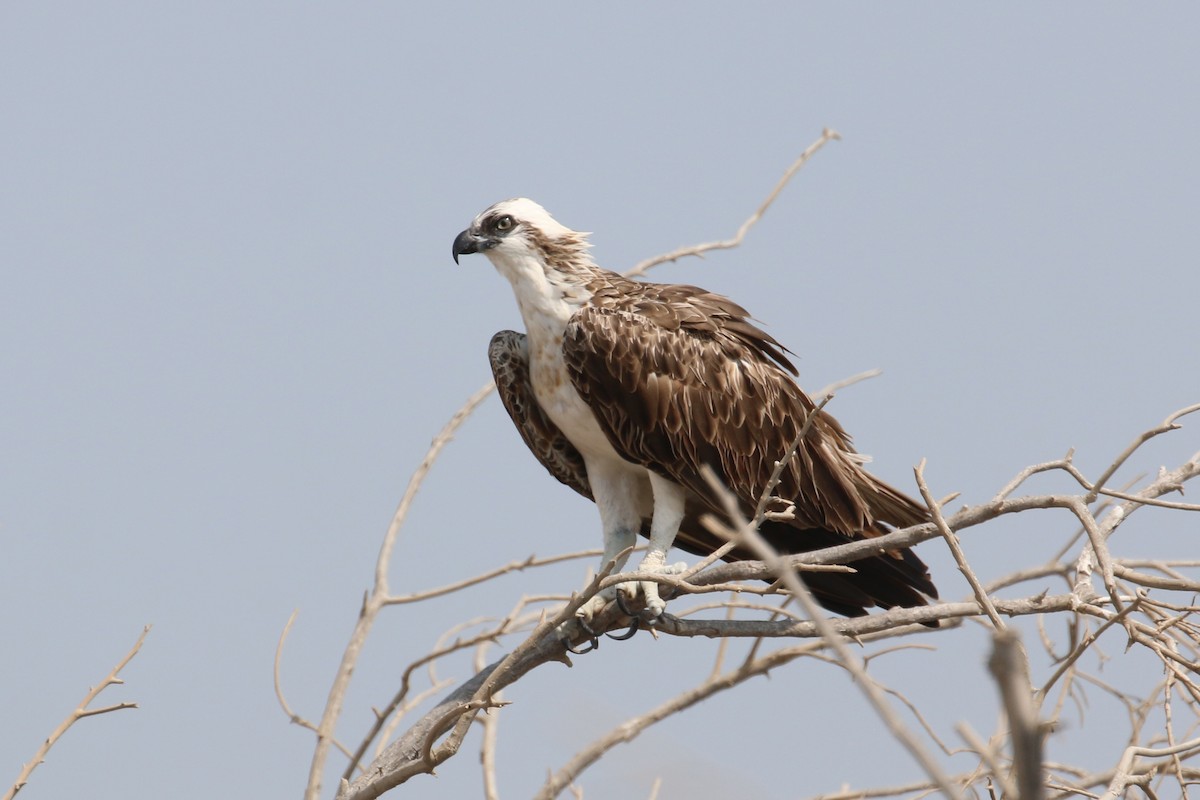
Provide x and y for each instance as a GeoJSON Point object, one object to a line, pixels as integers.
{"type": "Point", "coordinates": [546, 298]}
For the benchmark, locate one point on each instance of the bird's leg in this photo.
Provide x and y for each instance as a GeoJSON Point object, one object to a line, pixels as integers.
{"type": "Point", "coordinates": [669, 501]}
{"type": "Point", "coordinates": [617, 542]}
{"type": "Point", "coordinates": [615, 488]}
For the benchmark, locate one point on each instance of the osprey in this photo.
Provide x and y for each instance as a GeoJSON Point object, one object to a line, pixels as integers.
{"type": "Point", "coordinates": [624, 389]}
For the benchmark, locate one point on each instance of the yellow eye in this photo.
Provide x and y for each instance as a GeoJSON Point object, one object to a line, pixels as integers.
{"type": "Point", "coordinates": [504, 223]}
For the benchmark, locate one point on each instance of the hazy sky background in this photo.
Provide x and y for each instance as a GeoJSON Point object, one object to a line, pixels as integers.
{"type": "Point", "coordinates": [230, 326]}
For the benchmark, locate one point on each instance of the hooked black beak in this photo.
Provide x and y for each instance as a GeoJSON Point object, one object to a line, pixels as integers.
{"type": "Point", "coordinates": [469, 242]}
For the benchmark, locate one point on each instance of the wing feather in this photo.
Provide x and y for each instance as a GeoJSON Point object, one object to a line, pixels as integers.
{"type": "Point", "coordinates": [676, 397]}
{"type": "Point", "coordinates": [675, 390]}
{"type": "Point", "coordinates": [508, 354]}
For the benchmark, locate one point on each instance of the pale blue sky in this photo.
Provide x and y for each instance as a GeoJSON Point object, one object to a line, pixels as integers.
{"type": "Point", "coordinates": [230, 325]}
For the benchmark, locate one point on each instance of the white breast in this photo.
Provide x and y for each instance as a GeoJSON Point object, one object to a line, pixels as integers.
{"type": "Point", "coordinates": [557, 396]}
{"type": "Point", "coordinates": [547, 303]}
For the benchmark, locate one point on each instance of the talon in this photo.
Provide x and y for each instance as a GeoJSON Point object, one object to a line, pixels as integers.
{"type": "Point", "coordinates": [627, 634]}
{"type": "Point", "coordinates": [592, 644]}
{"type": "Point", "coordinates": [593, 640]}
{"type": "Point", "coordinates": [620, 598]}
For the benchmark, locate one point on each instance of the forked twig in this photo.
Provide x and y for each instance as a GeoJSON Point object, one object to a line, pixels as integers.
{"type": "Point", "coordinates": [378, 595]}
{"type": "Point", "coordinates": [79, 713]}
{"type": "Point", "coordinates": [827, 136]}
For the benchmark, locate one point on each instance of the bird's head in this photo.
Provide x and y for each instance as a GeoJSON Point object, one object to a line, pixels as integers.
{"type": "Point", "coordinates": [514, 231]}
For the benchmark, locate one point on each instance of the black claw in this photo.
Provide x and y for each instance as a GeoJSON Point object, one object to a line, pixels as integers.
{"type": "Point", "coordinates": [627, 634]}
{"type": "Point", "coordinates": [624, 608]}
{"type": "Point", "coordinates": [592, 644]}
{"type": "Point", "coordinates": [593, 638]}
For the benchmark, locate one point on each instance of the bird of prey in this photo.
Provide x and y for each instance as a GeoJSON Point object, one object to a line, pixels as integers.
{"type": "Point", "coordinates": [625, 389]}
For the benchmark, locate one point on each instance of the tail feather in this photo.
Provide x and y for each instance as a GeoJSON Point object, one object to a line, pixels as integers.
{"type": "Point", "coordinates": [896, 578]}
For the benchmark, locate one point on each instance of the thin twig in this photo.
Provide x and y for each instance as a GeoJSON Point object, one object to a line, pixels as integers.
{"type": "Point", "coordinates": [79, 713]}
{"type": "Point", "coordinates": [827, 136]}
{"type": "Point", "coordinates": [487, 748]}
{"type": "Point", "coordinates": [822, 399]}
{"type": "Point", "coordinates": [379, 592]}
{"type": "Point", "coordinates": [988, 756]}
{"type": "Point", "coordinates": [1168, 424]}
{"type": "Point", "coordinates": [1081, 648]}
{"type": "Point", "coordinates": [512, 566]}
{"type": "Point", "coordinates": [935, 510]}
{"type": "Point", "coordinates": [1124, 775]}
{"type": "Point", "coordinates": [631, 728]}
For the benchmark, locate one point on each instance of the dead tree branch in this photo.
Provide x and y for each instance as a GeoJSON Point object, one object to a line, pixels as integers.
{"type": "Point", "coordinates": [419, 750]}
{"type": "Point", "coordinates": [83, 710]}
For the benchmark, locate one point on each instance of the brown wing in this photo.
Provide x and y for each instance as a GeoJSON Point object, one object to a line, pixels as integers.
{"type": "Point", "coordinates": [509, 357]}
{"type": "Point", "coordinates": [880, 581]}
{"type": "Point", "coordinates": [682, 380]}
{"type": "Point", "coordinates": [674, 399]}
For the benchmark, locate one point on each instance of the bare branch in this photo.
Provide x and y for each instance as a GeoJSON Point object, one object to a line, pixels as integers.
{"type": "Point", "coordinates": [512, 566]}
{"type": "Point", "coordinates": [1168, 424]}
{"type": "Point", "coordinates": [989, 758]}
{"type": "Point", "coordinates": [487, 749]}
{"type": "Point", "coordinates": [935, 510]}
{"type": "Point", "coordinates": [416, 751]}
{"type": "Point", "coordinates": [827, 136]}
{"type": "Point", "coordinates": [1125, 774]}
{"type": "Point", "coordinates": [630, 729]}
{"type": "Point", "coordinates": [379, 593]}
{"type": "Point", "coordinates": [295, 718]}
{"type": "Point", "coordinates": [822, 398]}
{"type": "Point", "coordinates": [748, 533]}
{"type": "Point", "coordinates": [1009, 667]}
{"type": "Point", "coordinates": [79, 713]}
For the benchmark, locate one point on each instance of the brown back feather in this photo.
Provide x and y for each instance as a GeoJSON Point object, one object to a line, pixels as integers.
{"type": "Point", "coordinates": [679, 378]}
